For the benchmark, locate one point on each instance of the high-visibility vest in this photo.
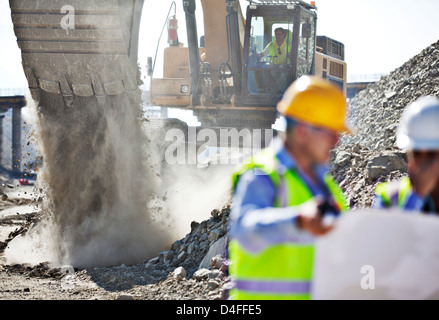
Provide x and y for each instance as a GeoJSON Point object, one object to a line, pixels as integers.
{"type": "Point", "coordinates": [283, 270]}
{"type": "Point", "coordinates": [394, 197]}
{"type": "Point", "coordinates": [274, 53]}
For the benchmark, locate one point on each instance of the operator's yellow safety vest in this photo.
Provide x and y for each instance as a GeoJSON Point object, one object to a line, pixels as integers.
{"type": "Point", "coordinates": [274, 53]}
{"type": "Point", "coordinates": [386, 191]}
{"type": "Point", "coordinates": [283, 270]}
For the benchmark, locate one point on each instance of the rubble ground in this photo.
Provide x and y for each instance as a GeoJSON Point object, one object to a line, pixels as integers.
{"type": "Point", "coordinates": [179, 273]}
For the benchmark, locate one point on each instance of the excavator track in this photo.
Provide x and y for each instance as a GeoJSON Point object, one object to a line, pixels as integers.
{"type": "Point", "coordinates": [83, 49]}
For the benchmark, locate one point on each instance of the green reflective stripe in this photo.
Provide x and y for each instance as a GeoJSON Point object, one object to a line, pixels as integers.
{"type": "Point", "coordinates": [383, 190]}
{"type": "Point", "coordinates": [270, 263]}
{"type": "Point", "coordinates": [337, 193]}
{"type": "Point", "coordinates": [404, 191]}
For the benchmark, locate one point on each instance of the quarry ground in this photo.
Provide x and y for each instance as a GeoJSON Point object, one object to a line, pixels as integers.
{"type": "Point", "coordinates": [20, 208]}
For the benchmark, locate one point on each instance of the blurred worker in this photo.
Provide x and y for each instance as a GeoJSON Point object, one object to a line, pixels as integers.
{"type": "Point", "coordinates": [282, 196]}
{"type": "Point", "coordinates": [276, 49]}
{"type": "Point", "coordinates": [418, 134]}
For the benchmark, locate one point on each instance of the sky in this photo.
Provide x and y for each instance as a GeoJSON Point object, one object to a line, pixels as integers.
{"type": "Point", "coordinates": [379, 35]}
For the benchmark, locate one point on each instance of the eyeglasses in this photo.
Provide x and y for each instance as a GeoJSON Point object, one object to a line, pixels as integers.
{"type": "Point", "coordinates": [278, 49]}
{"type": "Point", "coordinates": [329, 133]}
{"type": "Point", "coordinates": [425, 155]}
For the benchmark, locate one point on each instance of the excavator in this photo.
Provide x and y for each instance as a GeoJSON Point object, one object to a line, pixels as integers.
{"type": "Point", "coordinates": [222, 77]}
{"type": "Point", "coordinates": [80, 58]}
{"type": "Point", "coordinates": [88, 50]}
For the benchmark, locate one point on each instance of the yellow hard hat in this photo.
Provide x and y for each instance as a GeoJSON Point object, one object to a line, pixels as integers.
{"type": "Point", "coordinates": [315, 101]}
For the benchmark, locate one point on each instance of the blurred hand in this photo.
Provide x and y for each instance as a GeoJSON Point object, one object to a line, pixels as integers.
{"type": "Point", "coordinates": [310, 220]}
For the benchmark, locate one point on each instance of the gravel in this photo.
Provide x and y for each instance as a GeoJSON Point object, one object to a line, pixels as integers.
{"type": "Point", "coordinates": [370, 156]}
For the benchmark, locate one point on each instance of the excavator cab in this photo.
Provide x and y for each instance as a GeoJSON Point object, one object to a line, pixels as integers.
{"type": "Point", "coordinates": [227, 81]}
{"type": "Point", "coordinates": [268, 68]}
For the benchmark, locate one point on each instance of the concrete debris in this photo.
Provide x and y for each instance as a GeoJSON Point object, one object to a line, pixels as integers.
{"type": "Point", "coordinates": [198, 247]}
{"type": "Point", "coordinates": [201, 274]}
{"type": "Point", "coordinates": [214, 256]}
{"type": "Point", "coordinates": [192, 267]}
{"type": "Point", "coordinates": [179, 273]}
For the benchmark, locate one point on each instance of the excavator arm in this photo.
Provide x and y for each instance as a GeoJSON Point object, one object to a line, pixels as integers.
{"type": "Point", "coordinates": [80, 61]}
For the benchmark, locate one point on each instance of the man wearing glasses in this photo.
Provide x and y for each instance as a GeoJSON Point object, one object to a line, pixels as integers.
{"type": "Point", "coordinates": [284, 197]}
{"type": "Point", "coordinates": [276, 50]}
{"type": "Point", "coordinates": [276, 78]}
{"type": "Point", "coordinates": [418, 134]}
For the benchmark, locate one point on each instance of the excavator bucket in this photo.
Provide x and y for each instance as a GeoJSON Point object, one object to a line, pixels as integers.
{"type": "Point", "coordinates": [83, 49]}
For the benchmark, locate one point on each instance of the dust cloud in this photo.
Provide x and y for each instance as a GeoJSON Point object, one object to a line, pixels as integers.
{"type": "Point", "coordinates": [185, 192]}
{"type": "Point", "coordinates": [96, 184]}
{"type": "Point", "coordinates": [192, 193]}
{"type": "Point", "coordinates": [110, 198]}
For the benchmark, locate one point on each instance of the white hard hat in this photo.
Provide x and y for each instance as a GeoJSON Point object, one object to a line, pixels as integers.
{"type": "Point", "coordinates": [419, 125]}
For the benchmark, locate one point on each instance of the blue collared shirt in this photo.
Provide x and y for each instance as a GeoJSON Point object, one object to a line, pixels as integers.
{"type": "Point", "coordinates": [254, 222]}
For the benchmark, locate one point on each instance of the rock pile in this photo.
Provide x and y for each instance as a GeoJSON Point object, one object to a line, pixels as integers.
{"type": "Point", "coordinates": [192, 252]}
{"type": "Point", "coordinates": [193, 268]}
{"type": "Point", "coordinates": [370, 155]}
